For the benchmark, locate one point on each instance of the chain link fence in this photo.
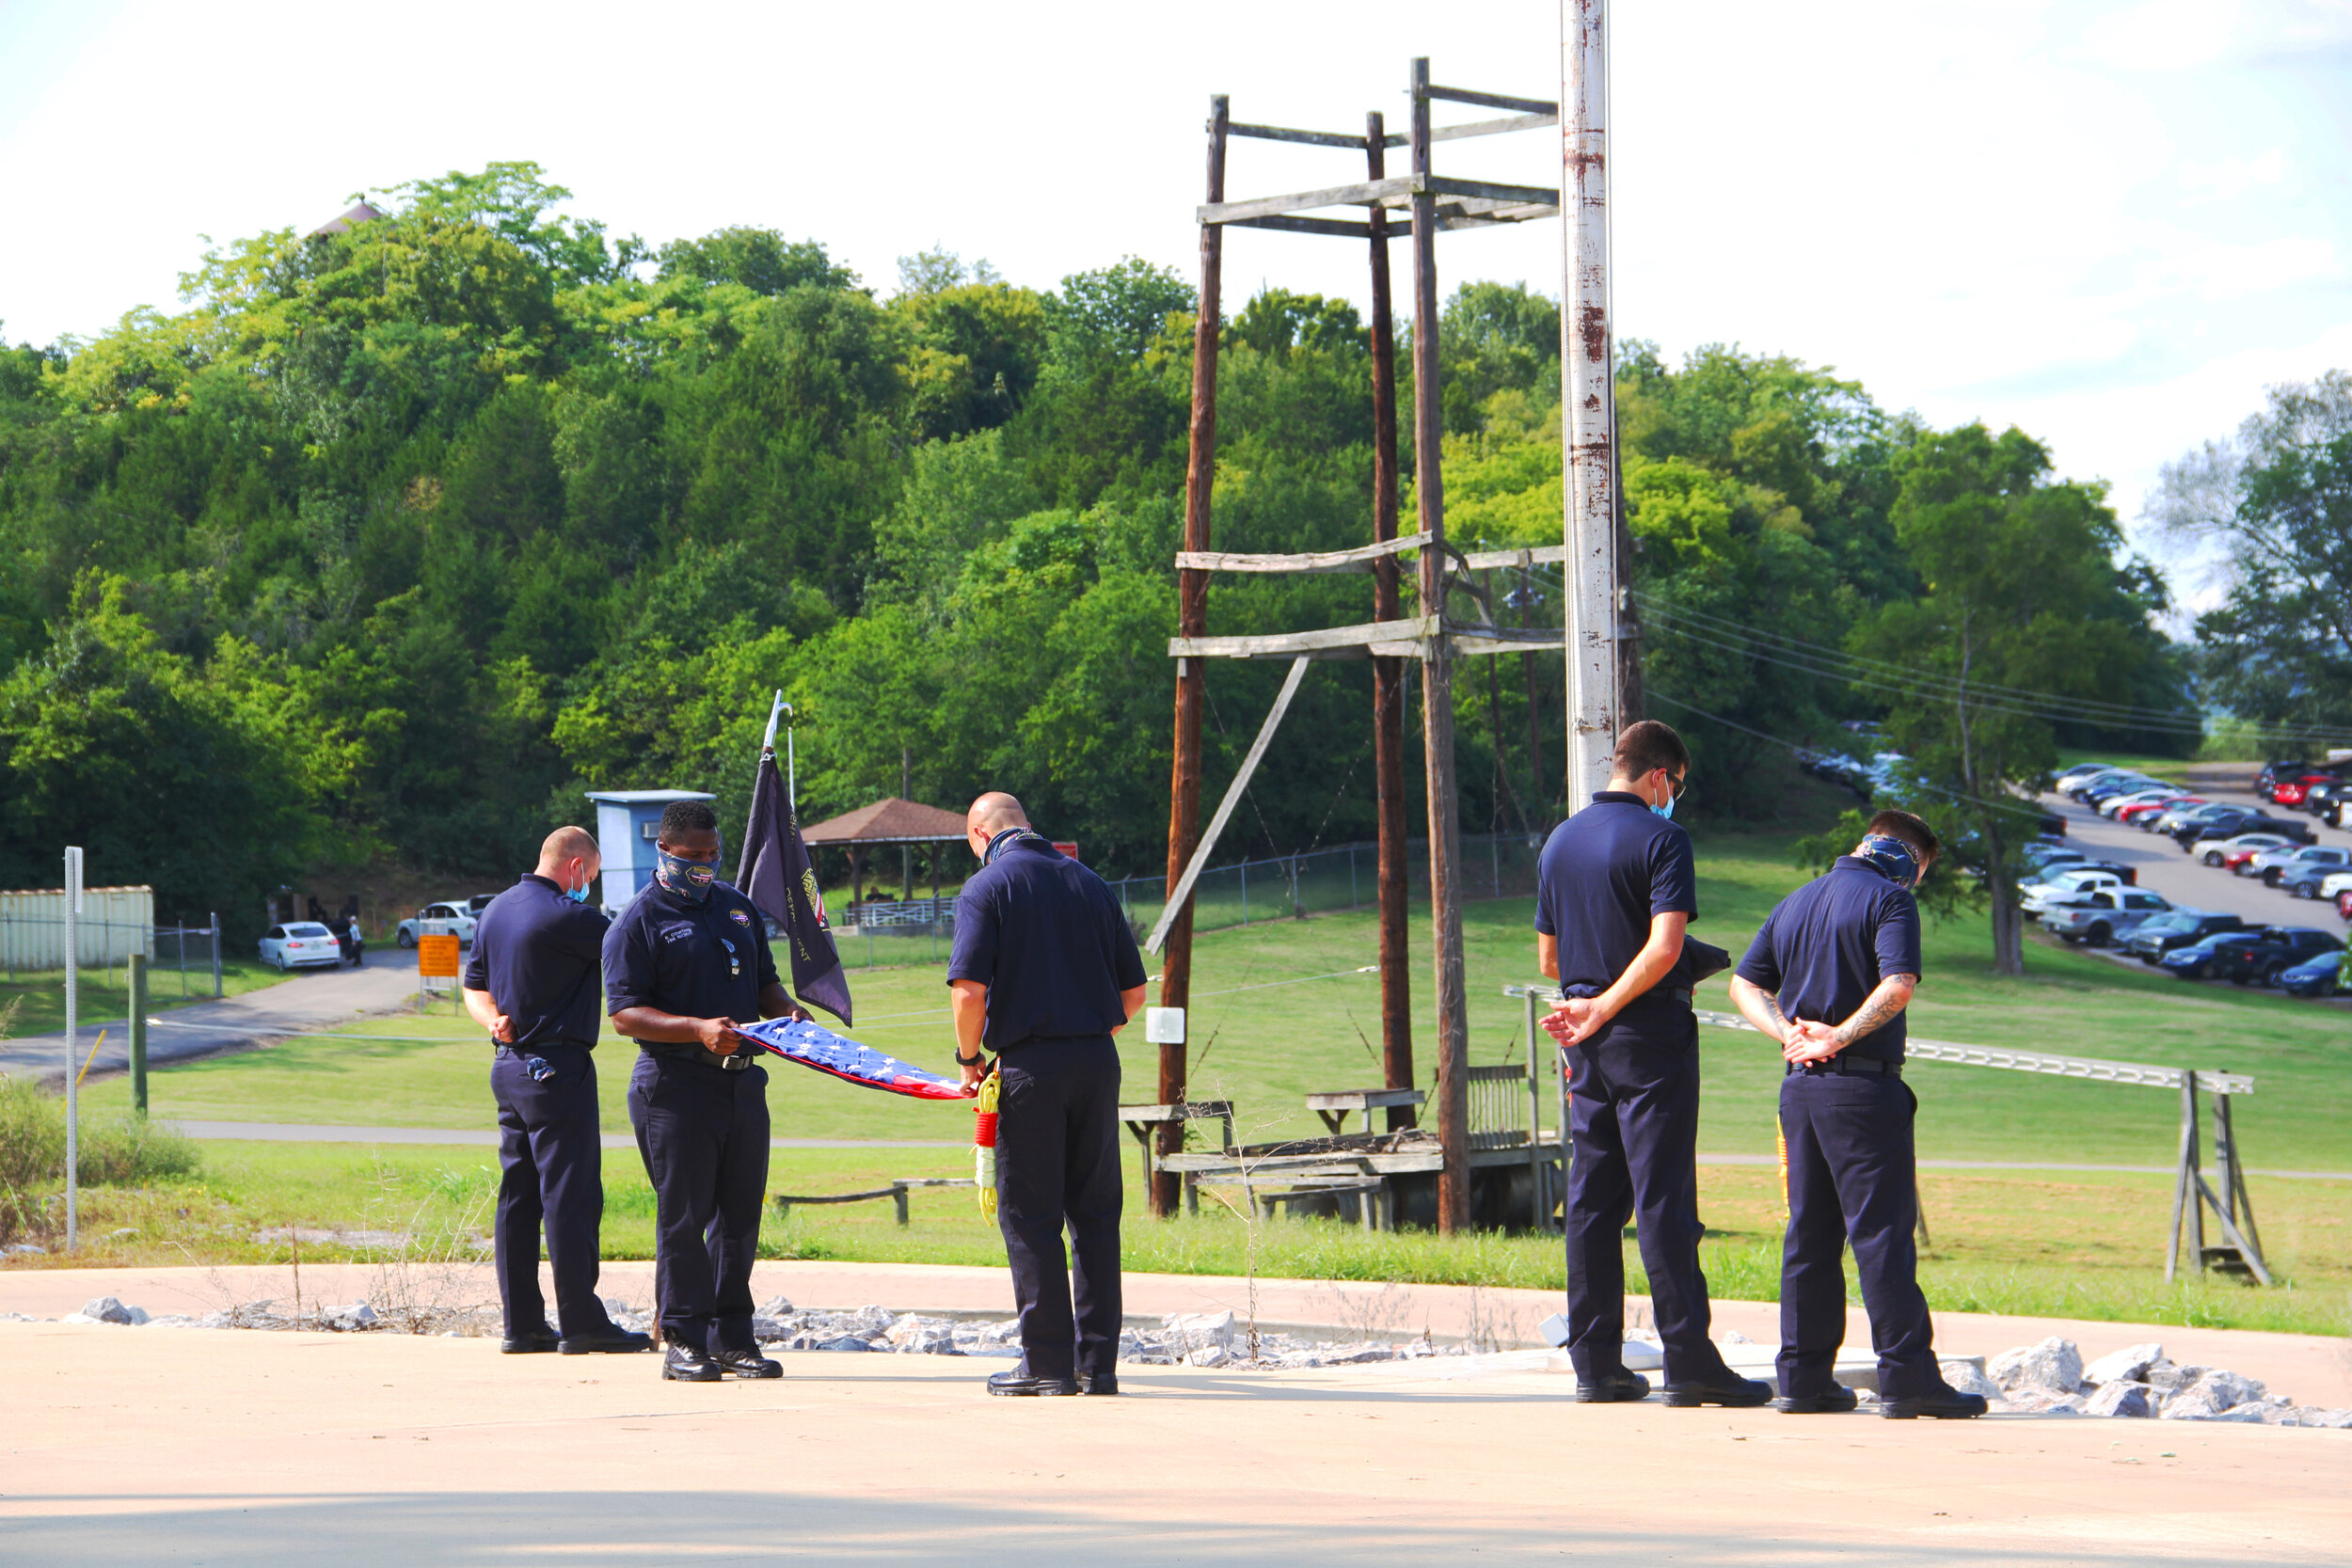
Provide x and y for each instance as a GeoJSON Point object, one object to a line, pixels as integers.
{"type": "Point", "coordinates": [1284, 887]}
{"type": "Point", "coordinates": [187, 957]}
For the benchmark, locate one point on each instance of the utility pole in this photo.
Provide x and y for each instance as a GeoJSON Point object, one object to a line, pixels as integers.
{"type": "Point", "coordinates": [1445, 831]}
{"type": "Point", "coordinates": [73, 1047]}
{"type": "Point", "coordinates": [1192, 617]}
{"type": "Point", "coordinates": [1588, 396]}
{"type": "Point", "coordinates": [1388, 674]}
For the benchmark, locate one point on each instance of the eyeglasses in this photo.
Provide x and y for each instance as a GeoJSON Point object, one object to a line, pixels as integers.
{"type": "Point", "coordinates": [1681, 785]}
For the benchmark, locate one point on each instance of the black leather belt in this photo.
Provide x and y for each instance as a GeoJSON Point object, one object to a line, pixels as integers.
{"type": "Point", "coordinates": [1870, 1066]}
{"type": "Point", "coordinates": [735, 1061]}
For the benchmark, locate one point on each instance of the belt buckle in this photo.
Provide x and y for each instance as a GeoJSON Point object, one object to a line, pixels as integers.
{"type": "Point", "coordinates": [735, 1061]}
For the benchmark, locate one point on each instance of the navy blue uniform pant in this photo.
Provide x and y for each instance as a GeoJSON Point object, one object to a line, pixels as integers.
{"type": "Point", "coordinates": [551, 1176]}
{"type": "Point", "coordinates": [1851, 1181]}
{"type": "Point", "coordinates": [1633, 1117]}
{"type": "Point", "coordinates": [1057, 1166]}
{"type": "Point", "coordinates": [704, 1133]}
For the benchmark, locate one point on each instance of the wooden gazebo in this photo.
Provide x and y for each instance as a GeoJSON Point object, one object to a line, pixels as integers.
{"type": "Point", "coordinates": [905, 823]}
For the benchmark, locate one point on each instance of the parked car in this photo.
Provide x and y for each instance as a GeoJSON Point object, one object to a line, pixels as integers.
{"type": "Point", "coordinates": [2156, 796]}
{"type": "Point", "coordinates": [2294, 829]}
{"type": "Point", "coordinates": [2080, 788]}
{"type": "Point", "coordinates": [2320, 975]}
{"type": "Point", "coordinates": [2321, 797]}
{"type": "Point", "coordinates": [2337, 890]}
{"type": "Point", "coordinates": [2303, 872]}
{"type": "Point", "coordinates": [480, 901]}
{"type": "Point", "coordinates": [2041, 859]}
{"type": "Point", "coordinates": [2217, 850]}
{"type": "Point", "coordinates": [2080, 774]}
{"type": "Point", "coordinates": [2261, 955]}
{"type": "Point", "coordinates": [2141, 813]}
{"type": "Point", "coordinates": [2170, 822]}
{"type": "Point", "coordinates": [2193, 960]}
{"type": "Point", "coordinates": [2235, 860]}
{"type": "Point", "coordinates": [2108, 789]}
{"type": "Point", "coordinates": [301, 944]}
{"type": "Point", "coordinates": [2067, 887]}
{"type": "Point", "coordinates": [449, 919]}
{"type": "Point", "coordinates": [2155, 937]}
{"type": "Point", "coordinates": [2273, 771]}
{"type": "Point", "coordinates": [2104, 916]}
{"type": "Point", "coordinates": [2290, 791]}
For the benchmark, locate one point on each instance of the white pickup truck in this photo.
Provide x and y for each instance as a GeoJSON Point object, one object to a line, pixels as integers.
{"type": "Point", "coordinates": [451, 918]}
{"type": "Point", "coordinates": [2067, 887]}
{"type": "Point", "coordinates": [2105, 915]}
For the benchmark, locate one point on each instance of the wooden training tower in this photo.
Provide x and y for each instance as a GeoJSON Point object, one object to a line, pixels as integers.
{"type": "Point", "coordinates": [1433, 203]}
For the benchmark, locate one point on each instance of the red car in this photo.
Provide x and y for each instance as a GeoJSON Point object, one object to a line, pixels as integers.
{"type": "Point", "coordinates": [2234, 861]}
{"type": "Point", "coordinates": [2290, 792]}
{"type": "Point", "coordinates": [2143, 809]}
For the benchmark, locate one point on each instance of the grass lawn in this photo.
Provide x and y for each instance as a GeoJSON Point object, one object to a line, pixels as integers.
{"type": "Point", "coordinates": [36, 1005]}
{"type": "Point", "coordinates": [1265, 1034]}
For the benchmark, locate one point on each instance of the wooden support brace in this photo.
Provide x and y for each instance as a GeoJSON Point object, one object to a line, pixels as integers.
{"type": "Point", "coordinates": [1183, 896]}
{"type": "Point", "coordinates": [1360, 559]}
{"type": "Point", "coordinates": [1342, 641]}
{"type": "Point", "coordinates": [1490, 101]}
{"type": "Point", "coordinates": [1335, 228]}
{"type": "Point", "coordinates": [1395, 191]}
{"type": "Point", "coordinates": [1283, 132]}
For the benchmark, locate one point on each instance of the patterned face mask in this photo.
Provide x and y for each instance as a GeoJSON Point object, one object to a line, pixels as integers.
{"type": "Point", "coordinates": [1007, 839]}
{"type": "Point", "coordinates": [683, 878]}
{"type": "Point", "coordinates": [1891, 856]}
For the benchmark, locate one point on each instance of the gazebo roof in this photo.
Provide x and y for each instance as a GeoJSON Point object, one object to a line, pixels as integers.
{"type": "Point", "coordinates": [888, 821]}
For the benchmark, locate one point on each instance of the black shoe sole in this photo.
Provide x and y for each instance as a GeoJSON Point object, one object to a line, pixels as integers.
{"type": "Point", "coordinates": [1602, 1393]}
{"type": "Point", "coordinates": [568, 1348]}
{"type": "Point", "coordinates": [671, 1374]}
{"type": "Point", "coordinates": [1045, 1390]}
{"type": "Point", "coordinates": [1902, 1411]}
{"type": "Point", "coordinates": [725, 1371]}
{"type": "Point", "coordinates": [523, 1347]}
{"type": "Point", "coordinates": [1098, 1390]}
{"type": "Point", "coordinates": [1692, 1399]}
{"type": "Point", "coordinates": [1816, 1406]}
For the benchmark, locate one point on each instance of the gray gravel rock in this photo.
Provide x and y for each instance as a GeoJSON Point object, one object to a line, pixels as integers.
{"type": "Point", "coordinates": [107, 1309]}
{"type": "Point", "coordinates": [2055, 1366]}
{"type": "Point", "coordinates": [2128, 1365]}
{"type": "Point", "coordinates": [1967, 1378]}
{"type": "Point", "coordinates": [2118, 1398]}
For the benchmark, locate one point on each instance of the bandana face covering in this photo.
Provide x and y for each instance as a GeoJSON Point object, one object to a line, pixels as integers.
{"type": "Point", "coordinates": [1891, 856]}
{"type": "Point", "coordinates": [1007, 839]}
{"type": "Point", "coordinates": [684, 879]}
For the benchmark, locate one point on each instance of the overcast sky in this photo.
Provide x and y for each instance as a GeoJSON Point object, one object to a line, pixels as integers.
{"type": "Point", "coordinates": [2111, 223]}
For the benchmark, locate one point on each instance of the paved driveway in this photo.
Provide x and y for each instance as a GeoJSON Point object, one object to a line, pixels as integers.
{"type": "Point", "coordinates": [302, 1005]}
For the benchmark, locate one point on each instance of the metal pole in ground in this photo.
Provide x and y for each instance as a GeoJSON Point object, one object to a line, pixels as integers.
{"type": "Point", "coordinates": [1588, 399]}
{"type": "Point", "coordinates": [72, 1045]}
{"type": "Point", "coordinates": [215, 933]}
{"type": "Point", "coordinates": [138, 1033]}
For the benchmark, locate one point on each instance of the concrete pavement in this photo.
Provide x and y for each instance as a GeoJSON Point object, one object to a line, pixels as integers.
{"type": "Point", "coordinates": [170, 1446]}
{"type": "Point", "coordinates": [2183, 878]}
{"type": "Point", "coordinates": [303, 1004]}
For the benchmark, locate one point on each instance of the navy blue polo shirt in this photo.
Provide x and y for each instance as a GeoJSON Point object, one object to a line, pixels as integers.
{"type": "Point", "coordinates": [1046, 937]}
{"type": "Point", "coordinates": [696, 960]}
{"type": "Point", "coordinates": [1826, 946]}
{"type": "Point", "coordinates": [1603, 874]}
{"type": "Point", "coordinates": [535, 952]}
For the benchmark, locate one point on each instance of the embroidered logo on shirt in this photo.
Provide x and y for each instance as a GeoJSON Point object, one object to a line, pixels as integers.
{"type": "Point", "coordinates": [741, 917]}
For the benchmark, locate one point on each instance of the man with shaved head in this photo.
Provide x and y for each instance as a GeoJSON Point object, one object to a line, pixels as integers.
{"type": "Point", "coordinates": [1044, 971]}
{"type": "Point", "coordinates": [534, 983]}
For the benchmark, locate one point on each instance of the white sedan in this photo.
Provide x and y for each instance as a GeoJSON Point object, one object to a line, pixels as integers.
{"type": "Point", "coordinates": [2067, 887]}
{"type": "Point", "coordinates": [303, 944]}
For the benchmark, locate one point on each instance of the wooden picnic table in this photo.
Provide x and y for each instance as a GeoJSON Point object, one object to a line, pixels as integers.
{"type": "Point", "coordinates": [1336, 1108]}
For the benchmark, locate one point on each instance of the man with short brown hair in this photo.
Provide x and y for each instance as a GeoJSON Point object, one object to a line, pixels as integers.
{"type": "Point", "coordinates": [1613, 894]}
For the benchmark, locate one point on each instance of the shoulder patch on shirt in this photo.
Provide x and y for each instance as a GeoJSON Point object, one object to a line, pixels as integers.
{"type": "Point", "coordinates": [741, 917]}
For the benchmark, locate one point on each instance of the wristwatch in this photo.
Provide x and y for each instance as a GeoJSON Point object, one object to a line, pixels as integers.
{"type": "Point", "coordinates": [973, 1060]}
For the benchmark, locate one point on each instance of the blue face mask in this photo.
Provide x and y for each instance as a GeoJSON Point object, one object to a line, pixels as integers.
{"type": "Point", "coordinates": [1891, 856]}
{"type": "Point", "coordinates": [1007, 839]}
{"type": "Point", "coordinates": [684, 879]}
{"type": "Point", "coordinates": [577, 894]}
{"type": "Point", "coordinates": [1666, 811]}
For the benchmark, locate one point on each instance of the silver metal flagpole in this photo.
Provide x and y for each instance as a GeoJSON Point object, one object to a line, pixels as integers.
{"type": "Point", "coordinates": [72, 1045]}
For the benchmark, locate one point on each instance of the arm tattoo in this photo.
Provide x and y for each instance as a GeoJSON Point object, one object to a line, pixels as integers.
{"type": "Point", "coordinates": [1771, 1006]}
{"type": "Point", "coordinates": [1877, 1010]}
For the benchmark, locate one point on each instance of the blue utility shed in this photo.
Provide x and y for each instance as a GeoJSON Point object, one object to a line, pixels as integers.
{"type": "Point", "coordinates": [627, 820]}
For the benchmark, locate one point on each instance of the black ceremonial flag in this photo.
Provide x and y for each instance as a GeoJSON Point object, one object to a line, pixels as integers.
{"type": "Point", "coordinates": [777, 876]}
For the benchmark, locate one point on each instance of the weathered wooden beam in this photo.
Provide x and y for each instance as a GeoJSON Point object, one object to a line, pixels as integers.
{"type": "Point", "coordinates": [1283, 132]}
{"type": "Point", "coordinates": [1444, 185]}
{"type": "Point", "coordinates": [1360, 559]}
{"type": "Point", "coordinates": [1491, 101]}
{"type": "Point", "coordinates": [1180, 896]}
{"type": "Point", "coordinates": [1492, 127]}
{"type": "Point", "coordinates": [1290, 644]}
{"type": "Point", "coordinates": [1388, 674]}
{"type": "Point", "coordinates": [1479, 561]}
{"type": "Point", "coordinates": [1448, 221]}
{"type": "Point", "coordinates": [1363, 192]}
{"type": "Point", "coordinates": [1337, 227]}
